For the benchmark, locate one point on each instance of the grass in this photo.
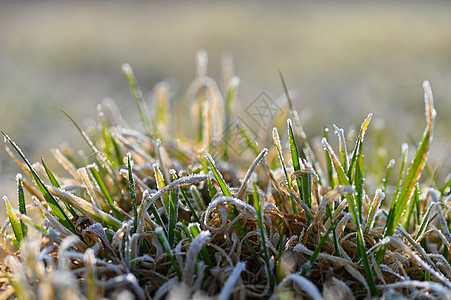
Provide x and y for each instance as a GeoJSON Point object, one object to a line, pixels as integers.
{"type": "Point", "coordinates": [152, 215]}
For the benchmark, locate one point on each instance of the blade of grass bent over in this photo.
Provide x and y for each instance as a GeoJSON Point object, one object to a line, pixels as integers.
{"type": "Point", "coordinates": [226, 192]}
{"type": "Point", "coordinates": [413, 173]}
{"type": "Point", "coordinates": [57, 210]}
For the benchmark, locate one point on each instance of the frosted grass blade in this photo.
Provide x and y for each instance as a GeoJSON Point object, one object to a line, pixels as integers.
{"type": "Point", "coordinates": [262, 234]}
{"type": "Point", "coordinates": [226, 192]}
{"type": "Point", "coordinates": [138, 96]}
{"type": "Point", "coordinates": [56, 184]}
{"type": "Point", "coordinates": [15, 224]}
{"type": "Point", "coordinates": [343, 180]}
{"type": "Point", "coordinates": [56, 209]}
{"type": "Point", "coordinates": [295, 159]}
{"type": "Point", "coordinates": [414, 171]}
{"type": "Point", "coordinates": [22, 206]}
{"type": "Point", "coordinates": [132, 191]}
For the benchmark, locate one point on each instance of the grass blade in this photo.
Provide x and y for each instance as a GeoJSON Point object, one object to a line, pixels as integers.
{"type": "Point", "coordinates": [330, 173]}
{"type": "Point", "coordinates": [15, 224]}
{"type": "Point", "coordinates": [390, 165]}
{"type": "Point", "coordinates": [343, 180]}
{"type": "Point", "coordinates": [358, 152]}
{"type": "Point", "coordinates": [138, 96]}
{"type": "Point", "coordinates": [250, 142]}
{"type": "Point", "coordinates": [132, 191]}
{"type": "Point", "coordinates": [226, 192]}
{"type": "Point", "coordinates": [230, 100]}
{"type": "Point", "coordinates": [164, 242]}
{"type": "Point", "coordinates": [56, 209]}
{"type": "Point", "coordinates": [308, 265]}
{"type": "Point", "coordinates": [195, 231]}
{"type": "Point", "coordinates": [276, 138]}
{"type": "Point", "coordinates": [22, 206]}
{"type": "Point", "coordinates": [173, 215]}
{"type": "Point", "coordinates": [56, 184]}
{"type": "Point", "coordinates": [295, 160]}
{"type": "Point", "coordinates": [222, 184]}
{"type": "Point", "coordinates": [99, 179]}
{"type": "Point", "coordinates": [262, 234]}
{"type": "Point", "coordinates": [413, 173]}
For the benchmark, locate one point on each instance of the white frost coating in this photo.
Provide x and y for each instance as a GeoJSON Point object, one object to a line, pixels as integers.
{"type": "Point", "coordinates": [429, 285]}
{"type": "Point", "coordinates": [63, 259]}
{"type": "Point", "coordinates": [404, 148]}
{"type": "Point", "coordinates": [231, 281]}
{"type": "Point", "coordinates": [127, 69]}
{"type": "Point", "coordinates": [201, 62]}
{"type": "Point", "coordinates": [191, 256]}
{"type": "Point", "coordinates": [234, 82]}
{"type": "Point", "coordinates": [429, 102]}
{"type": "Point", "coordinates": [129, 158]}
{"type": "Point", "coordinates": [305, 284]}
{"type": "Point", "coordinates": [251, 169]}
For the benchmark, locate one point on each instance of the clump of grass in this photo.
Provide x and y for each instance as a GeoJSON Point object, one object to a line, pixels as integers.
{"type": "Point", "coordinates": [149, 215]}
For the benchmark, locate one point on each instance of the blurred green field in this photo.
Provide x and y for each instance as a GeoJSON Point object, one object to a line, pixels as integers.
{"type": "Point", "coordinates": [344, 59]}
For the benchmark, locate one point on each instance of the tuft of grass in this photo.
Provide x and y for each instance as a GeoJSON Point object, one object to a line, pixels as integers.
{"type": "Point", "coordinates": [150, 215]}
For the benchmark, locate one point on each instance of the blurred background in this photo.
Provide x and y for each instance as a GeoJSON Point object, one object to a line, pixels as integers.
{"type": "Point", "coordinates": [344, 60]}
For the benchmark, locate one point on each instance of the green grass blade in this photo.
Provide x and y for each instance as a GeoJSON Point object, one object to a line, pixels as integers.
{"type": "Point", "coordinates": [111, 149]}
{"type": "Point", "coordinates": [15, 224]}
{"type": "Point", "coordinates": [51, 201]}
{"type": "Point", "coordinates": [190, 206]}
{"type": "Point", "coordinates": [343, 180]}
{"type": "Point", "coordinates": [187, 202]}
{"type": "Point", "coordinates": [295, 159]}
{"type": "Point", "coordinates": [334, 235]}
{"type": "Point", "coordinates": [358, 152]}
{"type": "Point", "coordinates": [247, 137]}
{"type": "Point", "coordinates": [22, 206]}
{"type": "Point", "coordinates": [204, 162]}
{"type": "Point", "coordinates": [342, 148]}
{"type": "Point", "coordinates": [262, 234]}
{"type": "Point", "coordinates": [276, 138]}
{"type": "Point", "coordinates": [222, 184]}
{"type": "Point", "coordinates": [390, 165]}
{"type": "Point", "coordinates": [165, 243]}
{"type": "Point", "coordinates": [162, 114]}
{"type": "Point", "coordinates": [446, 187]}
{"type": "Point", "coordinates": [196, 195]}
{"type": "Point", "coordinates": [359, 185]}
{"type": "Point", "coordinates": [409, 213]}
{"type": "Point", "coordinates": [99, 179]}
{"type": "Point", "coordinates": [310, 263]}
{"type": "Point", "coordinates": [195, 231]}
{"type": "Point", "coordinates": [173, 215]}
{"type": "Point", "coordinates": [226, 192]}
{"type": "Point", "coordinates": [279, 253]}
{"type": "Point", "coordinates": [230, 100]}
{"type": "Point", "coordinates": [138, 96]}
{"type": "Point", "coordinates": [132, 191]}
{"type": "Point", "coordinates": [330, 172]}
{"type": "Point", "coordinates": [404, 154]}
{"type": "Point", "coordinates": [413, 173]}
{"type": "Point", "coordinates": [56, 184]}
